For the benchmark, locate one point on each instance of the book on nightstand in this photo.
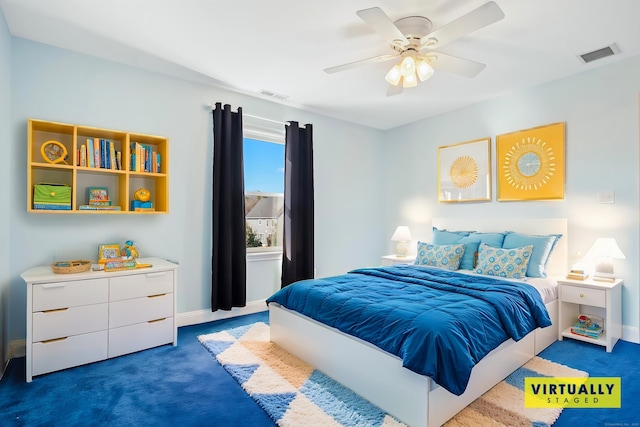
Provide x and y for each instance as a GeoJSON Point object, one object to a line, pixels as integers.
{"type": "Point", "coordinates": [576, 274]}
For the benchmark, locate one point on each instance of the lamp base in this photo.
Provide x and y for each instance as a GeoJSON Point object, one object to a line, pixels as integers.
{"type": "Point", "coordinates": [401, 249]}
{"type": "Point", "coordinates": [604, 270]}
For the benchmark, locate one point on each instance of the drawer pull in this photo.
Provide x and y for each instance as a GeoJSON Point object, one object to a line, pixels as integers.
{"type": "Point", "coordinates": [156, 296]}
{"type": "Point", "coordinates": [581, 295]}
{"type": "Point", "coordinates": [55, 310]}
{"type": "Point", "coordinates": [159, 273]}
{"type": "Point", "coordinates": [157, 320]}
{"type": "Point", "coordinates": [53, 340]}
{"type": "Point", "coordinates": [53, 285]}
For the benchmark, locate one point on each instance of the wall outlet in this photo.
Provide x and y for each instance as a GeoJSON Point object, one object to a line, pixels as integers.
{"type": "Point", "coordinates": [606, 196]}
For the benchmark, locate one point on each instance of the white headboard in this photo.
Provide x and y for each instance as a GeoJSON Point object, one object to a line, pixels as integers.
{"type": "Point", "coordinates": [558, 261]}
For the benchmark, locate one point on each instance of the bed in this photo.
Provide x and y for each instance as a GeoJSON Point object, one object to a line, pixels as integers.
{"type": "Point", "coordinates": [380, 377]}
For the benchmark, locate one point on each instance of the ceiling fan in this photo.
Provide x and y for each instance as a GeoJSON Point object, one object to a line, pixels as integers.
{"type": "Point", "coordinates": [415, 42]}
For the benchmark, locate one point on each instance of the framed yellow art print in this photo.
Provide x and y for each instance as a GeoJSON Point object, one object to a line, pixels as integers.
{"type": "Point", "coordinates": [530, 164]}
{"type": "Point", "coordinates": [464, 172]}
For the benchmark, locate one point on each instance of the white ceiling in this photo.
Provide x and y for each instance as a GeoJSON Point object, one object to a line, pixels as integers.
{"type": "Point", "coordinates": [283, 46]}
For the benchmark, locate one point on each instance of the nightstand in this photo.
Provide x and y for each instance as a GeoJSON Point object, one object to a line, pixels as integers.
{"type": "Point", "coordinates": [395, 259]}
{"type": "Point", "coordinates": [590, 297]}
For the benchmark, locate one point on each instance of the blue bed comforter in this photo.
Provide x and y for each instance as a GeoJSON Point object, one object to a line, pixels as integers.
{"type": "Point", "coordinates": [439, 322]}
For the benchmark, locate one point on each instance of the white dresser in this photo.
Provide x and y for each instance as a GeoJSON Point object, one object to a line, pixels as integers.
{"type": "Point", "coordinates": [73, 319]}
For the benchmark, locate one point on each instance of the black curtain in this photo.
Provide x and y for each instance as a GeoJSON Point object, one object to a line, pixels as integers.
{"type": "Point", "coordinates": [229, 261]}
{"type": "Point", "coordinates": [297, 259]}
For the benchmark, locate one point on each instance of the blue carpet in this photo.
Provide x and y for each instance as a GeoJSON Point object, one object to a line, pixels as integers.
{"type": "Point", "coordinates": [185, 386]}
{"type": "Point", "coordinates": [622, 362]}
{"type": "Point", "coordinates": [163, 386]}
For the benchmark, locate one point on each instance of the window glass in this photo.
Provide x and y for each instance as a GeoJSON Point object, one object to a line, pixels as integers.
{"type": "Point", "coordinates": [264, 194]}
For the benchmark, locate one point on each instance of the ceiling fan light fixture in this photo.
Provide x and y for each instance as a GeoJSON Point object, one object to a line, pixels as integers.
{"type": "Point", "coordinates": [394, 75]}
{"type": "Point", "coordinates": [410, 80]}
{"type": "Point", "coordinates": [424, 70]}
{"type": "Point", "coordinates": [408, 66]}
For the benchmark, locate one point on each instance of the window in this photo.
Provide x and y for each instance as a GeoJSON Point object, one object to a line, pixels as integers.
{"type": "Point", "coordinates": [263, 194]}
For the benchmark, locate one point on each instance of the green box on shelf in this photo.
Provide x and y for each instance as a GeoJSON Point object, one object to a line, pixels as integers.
{"type": "Point", "coordinates": [52, 196]}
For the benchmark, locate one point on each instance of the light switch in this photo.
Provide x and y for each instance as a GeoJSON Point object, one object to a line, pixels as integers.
{"type": "Point", "coordinates": [606, 196]}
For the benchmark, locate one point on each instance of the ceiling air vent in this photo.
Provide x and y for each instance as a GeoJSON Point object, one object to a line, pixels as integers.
{"type": "Point", "coordinates": [271, 94]}
{"type": "Point", "coordinates": [599, 54]}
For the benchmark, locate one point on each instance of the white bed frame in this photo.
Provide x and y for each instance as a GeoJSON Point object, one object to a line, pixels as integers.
{"type": "Point", "coordinates": [379, 376]}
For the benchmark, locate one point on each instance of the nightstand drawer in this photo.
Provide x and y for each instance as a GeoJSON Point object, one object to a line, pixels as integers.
{"type": "Point", "coordinates": [587, 296]}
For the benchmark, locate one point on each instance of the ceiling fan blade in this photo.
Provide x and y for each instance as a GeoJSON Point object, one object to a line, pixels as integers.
{"type": "Point", "coordinates": [453, 64]}
{"type": "Point", "coordinates": [380, 22]}
{"type": "Point", "coordinates": [478, 18]}
{"type": "Point", "coordinates": [376, 59]}
{"type": "Point", "coordinates": [394, 90]}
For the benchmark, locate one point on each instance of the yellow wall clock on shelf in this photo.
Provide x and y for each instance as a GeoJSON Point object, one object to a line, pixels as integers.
{"type": "Point", "coordinates": [85, 157]}
{"type": "Point", "coordinates": [530, 164]}
{"type": "Point", "coordinates": [54, 152]}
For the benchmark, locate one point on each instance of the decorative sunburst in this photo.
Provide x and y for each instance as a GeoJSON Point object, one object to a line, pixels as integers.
{"type": "Point", "coordinates": [529, 164]}
{"type": "Point", "coordinates": [463, 172]}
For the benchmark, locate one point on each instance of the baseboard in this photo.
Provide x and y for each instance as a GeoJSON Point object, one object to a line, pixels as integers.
{"type": "Point", "coordinates": [631, 334]}
{"type": "Point", "coordinates": [17, 348]}
{"type": "Point", "coordinates": [203, 316]}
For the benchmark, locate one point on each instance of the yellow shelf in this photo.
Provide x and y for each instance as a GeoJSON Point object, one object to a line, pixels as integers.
{"type": "Point", "coordinates": [122, 183]}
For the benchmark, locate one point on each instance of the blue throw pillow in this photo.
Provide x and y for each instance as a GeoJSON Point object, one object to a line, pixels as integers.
{"type": "Point", "coordinates": [471, 244]}
{"type": "Point", "coordinates": [542, 247]}
{"type": "Point", "coordinates": [507, 263]}
{"type": "Point", "coordinates": [444, 237]}
{"type": "Point", "coordinates": [442, 256]}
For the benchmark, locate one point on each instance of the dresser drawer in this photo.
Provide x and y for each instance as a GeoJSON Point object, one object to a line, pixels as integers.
{"type": "Point", "coordinates": [129, 339]}
{"type": "Point", "coordinates": [137, 310]}
{"type": "Point", "coordinates": [587, 296]}
{"type": "Point", "coordinates": [49, 296]}
{"type": "Point", "coordinates": [140, 285]}
{"type": "Point", "coordinates": [70, 321]}
{"type": "Point", "coordinates": [72, 351]}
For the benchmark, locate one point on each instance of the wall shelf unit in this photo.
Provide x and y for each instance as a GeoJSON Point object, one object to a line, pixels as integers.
{"type": "Point", "coordinates": [122, 179]}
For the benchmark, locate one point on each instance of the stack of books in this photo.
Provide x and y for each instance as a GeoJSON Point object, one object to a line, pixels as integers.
{"type": "Point", "coordinates": [577, 274]}
{"type": "Point", "coordinates": [588, 326]}
{"type": "Point", "coordinates": [99, 200]}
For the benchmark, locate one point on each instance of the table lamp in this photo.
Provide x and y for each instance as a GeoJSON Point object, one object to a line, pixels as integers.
{"type": "Point", "coordinates": [603, 252]}
{"type": "Point", "coordinates": [402, 235]}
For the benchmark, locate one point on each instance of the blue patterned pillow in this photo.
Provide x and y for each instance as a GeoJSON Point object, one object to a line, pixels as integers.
{"type": "Point", "coordinates": [442, 256]}
{"type": "Point", "coordinates": [508, 263]}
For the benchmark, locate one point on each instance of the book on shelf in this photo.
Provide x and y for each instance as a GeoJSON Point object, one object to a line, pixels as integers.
{"type": "Point", "coordinates": [588, 325]}
{"type": "Point", "coordinates": [98, 208]}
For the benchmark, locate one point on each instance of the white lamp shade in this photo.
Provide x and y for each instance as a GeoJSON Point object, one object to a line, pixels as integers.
{"type": "Point", "coordinates": [604, 247]}
{"type": "Point", "coordinates": [410, 81]}
{"type": "Point", "coordinates": [393, 76]}
{"type": "Point", "coordinates": [402, 234]}
{"type": "Point", "coordinates": [424, 70]}
{"type": "Point", "coordinates": [408, 66]}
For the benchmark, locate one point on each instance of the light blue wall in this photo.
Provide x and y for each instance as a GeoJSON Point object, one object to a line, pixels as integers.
{"type": "Point", "coordinates": [600, 109]}
{"type": "Point", "coordinates": [5, 175]}
{"type": "Point", "coordinates": [54, 84]}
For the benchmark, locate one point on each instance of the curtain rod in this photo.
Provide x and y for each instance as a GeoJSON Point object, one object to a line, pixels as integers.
{"type": "Point", "coordinates": [212, 107]}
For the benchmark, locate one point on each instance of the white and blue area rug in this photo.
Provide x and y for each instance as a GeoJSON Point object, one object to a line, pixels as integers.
{"type": "Point", "coordinates": [295, 394]}
{"type": "Point", "coordinates": [291, 391]}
